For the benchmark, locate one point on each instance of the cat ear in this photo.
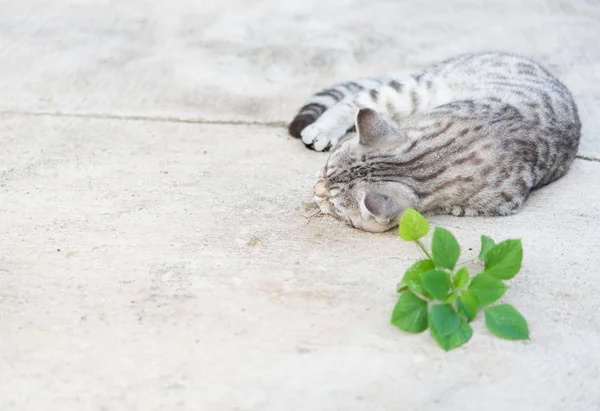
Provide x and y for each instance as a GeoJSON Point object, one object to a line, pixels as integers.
{"type": "Point", "coordinates": [381, 206]}
{"type": "Point", "coordinates": [372, 128]}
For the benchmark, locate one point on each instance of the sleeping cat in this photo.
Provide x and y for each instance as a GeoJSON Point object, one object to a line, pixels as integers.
{"type": "Point", "coordinates": [470, 136]}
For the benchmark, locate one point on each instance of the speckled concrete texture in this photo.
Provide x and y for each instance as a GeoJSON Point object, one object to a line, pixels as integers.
{"type": "Point", "coordinates": [153, 260]}
{"type": "Point", "coordinates": [259, 60]}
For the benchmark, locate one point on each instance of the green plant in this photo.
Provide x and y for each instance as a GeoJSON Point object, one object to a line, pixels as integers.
{"type": "Point", "coordinates": [439, 293]}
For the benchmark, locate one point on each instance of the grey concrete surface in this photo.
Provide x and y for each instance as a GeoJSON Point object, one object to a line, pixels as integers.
{"type": "Point", "coordinates": [259, 60]}
{"type": "Point", "coordinates": [188, 277]}
{"type": "Point", "coordinates": [155, 264]}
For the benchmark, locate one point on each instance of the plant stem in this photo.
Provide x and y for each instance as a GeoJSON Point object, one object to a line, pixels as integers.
{"type": "Point", "coordinates": [422, 247]}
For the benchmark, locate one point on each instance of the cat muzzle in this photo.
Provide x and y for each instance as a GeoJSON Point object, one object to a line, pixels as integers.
{"type": "Point", "coordinates": [321, 188]}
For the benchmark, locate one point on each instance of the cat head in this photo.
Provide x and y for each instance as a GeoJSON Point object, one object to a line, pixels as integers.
{"type": "Point", "coordinates": [360, 183]}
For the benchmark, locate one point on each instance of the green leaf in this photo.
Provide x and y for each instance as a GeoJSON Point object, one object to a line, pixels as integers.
{"type": "Point", "coordinates": [447, 328]}
{"type": "Point", "coordinates": [401, 286]}
{"type": "Point", "coordinates": [437, 283]}
{"type": "Point", "coordinates": [486, 289]}
{"type": "Point", "coordinates": [506, 322]}
{"type": "Point", "coordinates": [444, 319]}
{"type": "Point", "coordinates": [467, 306]}
{"type": "Point", "coordinates": [503, 260]}
{"type": "Point", "coordinates": [413, 226]}
{"type": "Point", "coordinates": [412, 277]}
{"type": "Point", "coordinates": [445, 249]}
{"type": "Point", "coordinates": [486, 245]}
{"type": "Point", "coordinates": [410, 313]}
{"type": "Point", "coordinates": [454, 340]}
{"type": "Point", "coordinates": [461, 278]}
{"type": "Point", "coordinates": [450, 299]}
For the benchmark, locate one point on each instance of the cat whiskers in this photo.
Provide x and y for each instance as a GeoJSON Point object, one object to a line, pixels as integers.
{"type": "Point", "coordinates": [312, 209]}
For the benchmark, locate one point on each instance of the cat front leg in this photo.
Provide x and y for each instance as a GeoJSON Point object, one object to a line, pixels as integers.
{"type": "Point", "coordinates": [335, 123]}
{"type": "Point", "coordinates": [394, 99]}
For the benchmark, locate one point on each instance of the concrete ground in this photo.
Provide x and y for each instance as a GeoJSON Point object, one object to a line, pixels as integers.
{"type": "Point", "coordinates": [154, 249]}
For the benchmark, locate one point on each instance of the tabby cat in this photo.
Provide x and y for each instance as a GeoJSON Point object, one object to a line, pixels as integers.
{"type": "Point", "coordinates": [470, 136]}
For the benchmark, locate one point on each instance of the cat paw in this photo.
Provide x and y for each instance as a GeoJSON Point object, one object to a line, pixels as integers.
{"type": "Point", "coordinates": [319, 139]}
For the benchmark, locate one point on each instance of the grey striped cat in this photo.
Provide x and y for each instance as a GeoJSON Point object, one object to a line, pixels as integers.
{"type": "Point", "coordinates": [470, 136]}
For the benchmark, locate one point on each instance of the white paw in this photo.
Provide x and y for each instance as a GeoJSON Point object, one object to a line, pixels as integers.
{"type": "Point", "coordinates": [320, 139]}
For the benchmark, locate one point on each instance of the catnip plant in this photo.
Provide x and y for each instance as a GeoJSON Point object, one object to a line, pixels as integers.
{"type": "Point", "coordinates": [439, 293]}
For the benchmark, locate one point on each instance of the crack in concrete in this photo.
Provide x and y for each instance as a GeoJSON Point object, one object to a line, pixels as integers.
{"type": "Point", "coordinates": [588, 158]}
{"type": "Point", "coordinates": [170, 119]}
{"type": "Point", "coordinates": [136, 117]}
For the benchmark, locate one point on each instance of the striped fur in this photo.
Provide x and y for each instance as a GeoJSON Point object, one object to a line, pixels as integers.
{"type": "Point", "coordinates": [470, 136]}
{"type": "Point", "coordinates": [325, 99]}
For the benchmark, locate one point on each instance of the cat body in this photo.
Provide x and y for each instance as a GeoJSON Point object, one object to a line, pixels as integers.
{"type": "Point", "coordinates": [470, 136]}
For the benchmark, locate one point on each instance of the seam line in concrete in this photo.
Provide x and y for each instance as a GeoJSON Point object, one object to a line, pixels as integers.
{"type": "Point", "coordinates": [135, 117]}
{"type": "Point", "coordinates": [168, 119]}
{"type": "Point", "coordinates": [588, 158]}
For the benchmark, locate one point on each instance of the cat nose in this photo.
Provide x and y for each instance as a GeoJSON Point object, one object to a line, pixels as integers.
{"type": "Point", "coordinates": [321, 188]}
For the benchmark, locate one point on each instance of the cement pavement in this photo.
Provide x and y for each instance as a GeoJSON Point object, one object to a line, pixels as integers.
{"type": "Point", "coordinates": [151, 259]}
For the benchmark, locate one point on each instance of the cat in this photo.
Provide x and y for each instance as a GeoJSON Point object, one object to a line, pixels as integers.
{"type": "Point", "coordinates": [469, 136]}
